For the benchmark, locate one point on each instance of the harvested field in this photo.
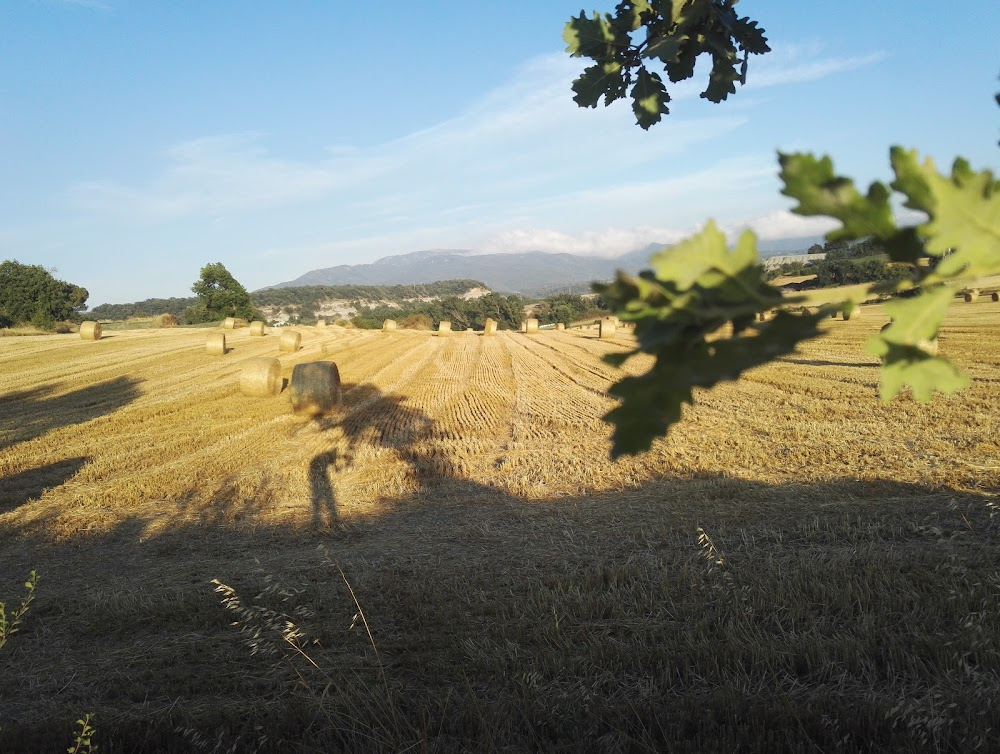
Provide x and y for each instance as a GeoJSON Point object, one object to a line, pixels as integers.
{"type": "Point", "coordinates": [798, 567]}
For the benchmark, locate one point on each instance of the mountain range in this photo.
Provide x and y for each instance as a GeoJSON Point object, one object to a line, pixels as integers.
{"type": "Point", "coordinates": [532, 273]}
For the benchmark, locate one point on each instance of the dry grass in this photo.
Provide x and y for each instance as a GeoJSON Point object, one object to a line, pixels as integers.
{"type": "Point", "coordinates": [798, 567]}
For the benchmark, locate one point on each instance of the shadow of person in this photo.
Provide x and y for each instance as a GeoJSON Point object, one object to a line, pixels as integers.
{"type": "Point", "coordinates": [324, 501]}
{"type": "Point", "coordinates": [370, 417]}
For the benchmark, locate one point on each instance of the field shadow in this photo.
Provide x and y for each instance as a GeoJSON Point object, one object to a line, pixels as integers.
{"type": "Point", "coordinates": [369, 416]}
{"type": "Point", "coordinates": [571, 615]}
{"type": "Point", "coordinates": [28, 414]}
{"type": "Point", "coordinates": [825, 363]}
{"type": "Point", "coordinates": [17, 489]}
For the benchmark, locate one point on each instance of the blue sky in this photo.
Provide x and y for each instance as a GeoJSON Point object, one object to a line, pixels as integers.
{"type": "Point", "coordinates": [140, 140]}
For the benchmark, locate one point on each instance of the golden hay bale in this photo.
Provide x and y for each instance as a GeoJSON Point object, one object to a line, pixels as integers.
{"type": "Point", "coordinates": [560, 325]}
{"type": "Point", "coordinates": [90, 330]}
{"type": "Point", "coordinates": [927, 345]}
{"type": "Point", "coordinates": [261, 376]}
{"type": "Point", "coordinates": [531, 326]}
{"type": "Point", "coordinates": [389, 325]}
{"type": "Point", "coordinates": [315, 388]}
{"type": "Point", "coordinates": [491, 327]}
{"type": "Point", "coordinates": [524, 326]}
{"type": "Point", "coordinates": [166, 320]}
{"type": "Point", "coordinates": [994, 297]}
{"type": "Point", "coordinates": [469, 329]}
{"type": "Point", "coordinates": [290, 341]}
{"type": "Point", "coordinates": [606, 327]}
{"type": "Point", "coordinates": [320, 323]}
{"type": "Point", "coordinates": [216, 345]}
{"type": "Point", "coordinates": [970, 294]}
{"type": "Point", "coordinates": [229, 323]}
{"type": "Point", "coordinates": [257, 328]}
{"type": "Point", "coordinates": [444, 327]}
{"type": "Point", "coordinates": [855, 313]}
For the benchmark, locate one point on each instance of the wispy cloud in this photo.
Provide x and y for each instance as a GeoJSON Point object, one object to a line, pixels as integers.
{"type": "Point", "coordinates": [521, 167]}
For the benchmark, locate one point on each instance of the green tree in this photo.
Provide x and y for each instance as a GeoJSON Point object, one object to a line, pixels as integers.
{"type": "Point", "coordinates": [671, 34]}
{"type": "Point", "coordinates": [30, 293]}
{"type": "Point", "coordinates": [700, 285]}
{"type": "Point", "coordinates": [219, 296]}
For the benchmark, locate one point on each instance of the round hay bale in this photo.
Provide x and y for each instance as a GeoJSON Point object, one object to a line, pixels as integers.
{"type": "Point", "coordinates": [524, 326]}
{"type": "Point", "coordinates": [994, 297]}
{"type": "Point", "coordinates": [290, 341]}
{"type": "Point", "coordinates": [469, 329]}
{"type": "Point", "coordinates": [762, 317]}
{"type": "Point", "coordinates": [257, 328]}
{"type": "Point", "coordinates": [315, 388]}
{"type": "Point", "coordinates": [216, 345]}
{"type": "Point", "coordinates": [389, 325]}
{"type": "Point", "coordinates": [444, 327]}
{"type": "Point", "coordinates": [560, 325]}
{"type": "Point", "coordinates": [530, 326]}
{"type": "Point", "coordinates": [166, 320]}
{"type": "Point", "coordinates": [261, 377]}
{"type": "Point", "coordinates": [606, 328]}
{"type": "Point", "coordinates": [970, 295]}
{"type": "Point", "coordinates": [491, 327]}
{"type": "Point", "coordinates": [854, 313]}
{"type": "Point", "coordinates": [320, 323]}
{"type": "Point", "coordinates": [833, 314]}
{"type": "Point", "coordinates": [90, 330]}
{"type": "Point", "coordinates": [229, 323]}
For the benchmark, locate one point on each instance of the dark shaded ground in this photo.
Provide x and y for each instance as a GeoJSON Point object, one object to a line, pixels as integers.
{"type": "Point", "coordinates": [706, 614]}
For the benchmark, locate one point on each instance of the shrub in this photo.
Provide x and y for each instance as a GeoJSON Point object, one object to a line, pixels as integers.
{"type": "Point", "coordinates": [417, 322]}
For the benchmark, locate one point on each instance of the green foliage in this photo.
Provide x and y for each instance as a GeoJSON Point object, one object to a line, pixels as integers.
{"type": "Point", "coordinates": [700, 286]}
{"type": "Point", "coordinates": [694, 290]}
{"type": "Point", "coordinates": [10, 626]}
{"type": "Point", "coordinates": [219, 296]}
{"type": "Point", "coordinates": [960, 242]}
{"type": "Point", "coordinates": [568, 308]}
{"type": "Point", "coordinates": [30, 294]}
{"type": "Point", "coordinates": [671, 34]}
{"type": "Point", "coordinates": [83, 738]}
{"type": "Point", "coordinates": [148, 308]}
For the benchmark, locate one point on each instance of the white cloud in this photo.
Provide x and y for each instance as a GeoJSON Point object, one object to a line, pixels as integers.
{"type": "Point", "coordinates": [794, 64]}
{"type": "Point", "coordinates": [522, 167]}
{"type": "Point", "coordinates": [784, 224]}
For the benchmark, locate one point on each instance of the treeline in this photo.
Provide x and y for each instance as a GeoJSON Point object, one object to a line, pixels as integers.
{"type": "Point", "coordinates": [151, 307]}
{"type": "Point", "coordinates": [309, 297]}
{"type": "Point", "coordinates": [305, 299]}
{"type": "Point", "coordinates": [508, 311]}
{"type": "Point", "coordinates": [30, 294]}
{"type": "Point", "coordinates": [845, 264]}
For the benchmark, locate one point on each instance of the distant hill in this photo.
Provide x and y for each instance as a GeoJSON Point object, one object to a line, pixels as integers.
{"type": "Point", "coordinates": [277, 303]}
{"type": "Point", "coordinates": [532, 273]}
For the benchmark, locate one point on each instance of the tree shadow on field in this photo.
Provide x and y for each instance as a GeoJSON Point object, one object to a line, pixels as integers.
{"type": "Point", "coordinates": [28, 414]}
{"type": "Point", "coordinates": [17, 489]}
{"type": "Point", "coordinates": [595, 617]}
{"type": "Point", "coordinates": [824, 363]}
{"type": "Point", "coordinates": [370, 417]}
